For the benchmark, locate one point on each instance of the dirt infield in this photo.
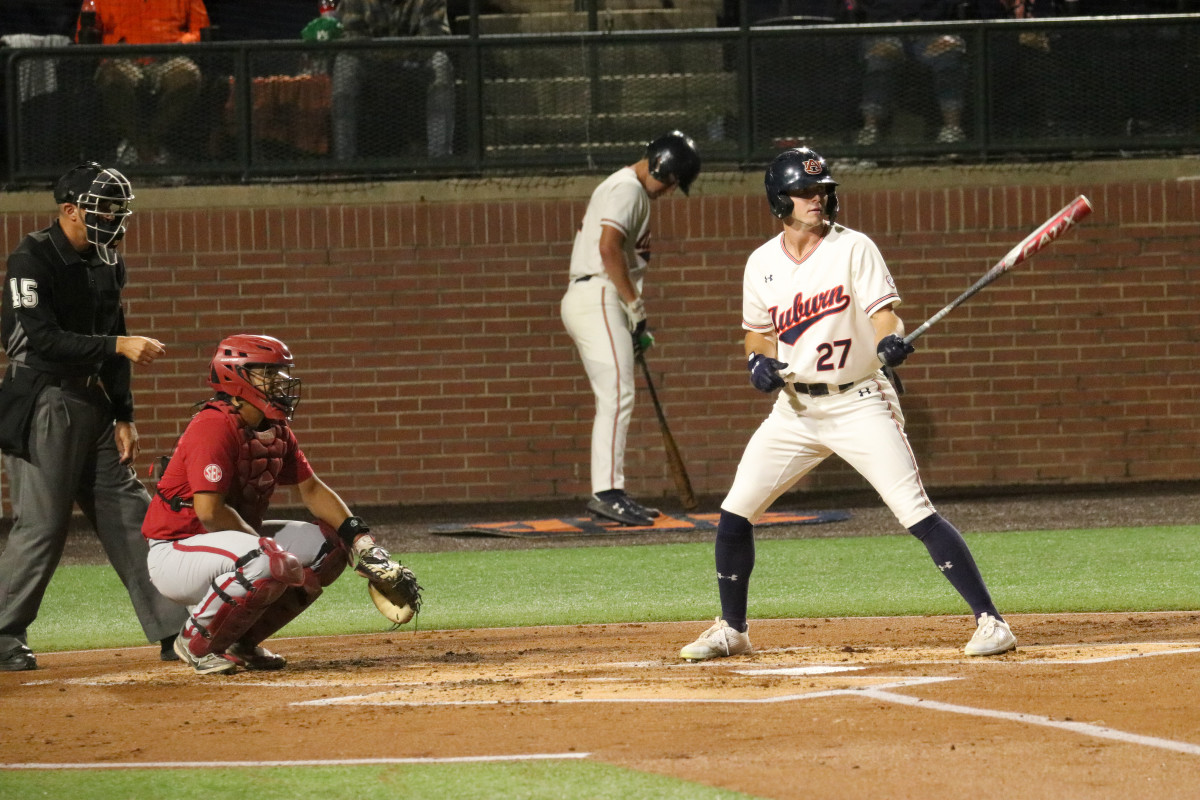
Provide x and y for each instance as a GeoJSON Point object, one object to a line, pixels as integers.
{"type": "Point", "coordinates": [1089, 706]}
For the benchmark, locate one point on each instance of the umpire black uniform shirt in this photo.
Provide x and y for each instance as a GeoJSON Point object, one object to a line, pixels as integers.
{"type": "Point", "coordinates": [63, 314]}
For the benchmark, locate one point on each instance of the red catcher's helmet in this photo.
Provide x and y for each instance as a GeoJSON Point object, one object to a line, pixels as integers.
{"type": "Point", "coordinates": [274, 392]}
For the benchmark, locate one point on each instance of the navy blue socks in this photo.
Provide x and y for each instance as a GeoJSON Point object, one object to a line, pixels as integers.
{"type": "Point", "coordinates": [951, 555]}
{"type": "Point", "coordinates": [735, 562]}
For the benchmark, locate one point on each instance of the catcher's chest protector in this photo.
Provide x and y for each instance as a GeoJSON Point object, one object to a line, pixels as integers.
{"type": "Point", "coordinates": [259, 463]}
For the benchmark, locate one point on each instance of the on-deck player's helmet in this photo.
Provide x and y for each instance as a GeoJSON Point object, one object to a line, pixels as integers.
{"type": "Point", "coordinates": [104, 196]}
{"type": "Point", "coordinates": [673, 159]}
{"type": "Point", "coordinates": [271, 389]}
{"type": "Point", "coordinates": [794, 169]}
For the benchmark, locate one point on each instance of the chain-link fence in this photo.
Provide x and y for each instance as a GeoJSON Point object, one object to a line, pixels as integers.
{"type": "Point", "coordinates": [498, 103]}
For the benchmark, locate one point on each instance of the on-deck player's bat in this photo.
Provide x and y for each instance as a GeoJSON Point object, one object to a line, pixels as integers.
{"type": "Point", "coordinates": [674, 459]}
{"type": "Point", "coordinates": [1046, 233]}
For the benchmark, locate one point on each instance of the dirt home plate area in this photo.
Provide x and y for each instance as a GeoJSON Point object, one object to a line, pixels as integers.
{"type": "Point", "coordinates": [1090, 705]}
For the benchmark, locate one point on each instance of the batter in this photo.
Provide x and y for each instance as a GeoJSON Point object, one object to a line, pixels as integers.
{"type": "Point", "coordinates": [818, 310]}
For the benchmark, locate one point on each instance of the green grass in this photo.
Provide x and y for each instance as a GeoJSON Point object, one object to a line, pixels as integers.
{"type": "Point", "coordinates": [523, 781]}
{"type": "Point", "coordinates": [1112, 569]}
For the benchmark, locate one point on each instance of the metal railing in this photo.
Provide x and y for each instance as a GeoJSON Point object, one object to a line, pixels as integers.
{"type": "Point", "coordinates": [1029, 89]}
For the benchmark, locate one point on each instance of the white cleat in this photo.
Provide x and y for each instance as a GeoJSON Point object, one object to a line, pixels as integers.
{"type": "Point", "coordinates": [717, 642]}
{"type": "Point", "coordinates": [991, 638]}
{"type": "Point", "coordinates": [211, 664]}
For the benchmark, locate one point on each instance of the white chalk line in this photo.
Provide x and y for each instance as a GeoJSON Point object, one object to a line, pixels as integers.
{"type": "Point", "coordinates": [1084, 728]}
{"type": "Point", "coordinates": [374, 699]}
{"type": "Point", "coordinates": [333, 762]}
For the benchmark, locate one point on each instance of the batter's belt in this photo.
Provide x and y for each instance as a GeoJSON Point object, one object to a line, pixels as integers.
{"type": "Point", "coordinates": [821, 389]}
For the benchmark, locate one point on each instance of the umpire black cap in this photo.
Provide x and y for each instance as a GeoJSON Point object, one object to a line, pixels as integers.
{"type": "Point", "coordinates": [77, 182]}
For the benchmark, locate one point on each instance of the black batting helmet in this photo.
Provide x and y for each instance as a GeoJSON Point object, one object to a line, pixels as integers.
{"type": "Point", "coordinates": [673, 159]}
{"type": "Point", "coordinates": [794, 169]}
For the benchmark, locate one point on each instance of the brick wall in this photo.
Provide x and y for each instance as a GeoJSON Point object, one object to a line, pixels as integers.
{"type": "Point", "coordinates": [424, 319]}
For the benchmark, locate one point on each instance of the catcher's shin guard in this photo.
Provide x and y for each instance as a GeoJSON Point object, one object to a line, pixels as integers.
{"type": "Point", "coordinates": [239, 611]}
{"type": "Point", "coordinates": [292, 603]}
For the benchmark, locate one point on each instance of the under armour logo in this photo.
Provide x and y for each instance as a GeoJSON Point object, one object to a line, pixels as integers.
{"type": "Point", "coordinates": [768, 278]}
{"type": "Point", "coordinates": [864, 391]}
{"type": "Point", "coordinates": [944, 567]}
{"type": "Point", "coordinates": [732, 577]}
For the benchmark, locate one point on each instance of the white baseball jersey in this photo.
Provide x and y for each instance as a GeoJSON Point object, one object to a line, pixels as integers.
{"type": "Point", "coordinates": [620, 202]}
{"type": "Point", "coordinates": [819, 308]}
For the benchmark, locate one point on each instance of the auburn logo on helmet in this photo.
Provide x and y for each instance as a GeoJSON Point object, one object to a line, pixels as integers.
{"type": "Point", "coordinates": [813, 166]}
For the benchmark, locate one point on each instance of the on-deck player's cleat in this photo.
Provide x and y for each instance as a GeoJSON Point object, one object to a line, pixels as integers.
{"type": "Point", "coordinates": [211, 664]}
{"type": "Point", "coordinates": [619, 509]}
{"type": "Point", "coordinates": [717, 642]}
{"type": "Point", "coordinates": [645, 511]}
{"type": "Point", "coordinates": [257, 657]}
{"type": "Point", "coordinates": [991, 637]}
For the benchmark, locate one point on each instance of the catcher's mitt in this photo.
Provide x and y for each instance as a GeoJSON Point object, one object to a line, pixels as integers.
{"type": "Point", "coordinates": [393, 587]}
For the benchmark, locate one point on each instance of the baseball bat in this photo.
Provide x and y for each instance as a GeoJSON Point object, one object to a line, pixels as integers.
{"type": "Point", "coordinates": [683, 484]}
{"type": "Point", "coordinates": [1032, 244]}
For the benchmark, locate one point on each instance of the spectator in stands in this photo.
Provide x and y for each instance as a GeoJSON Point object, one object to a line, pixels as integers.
{"type": "Point", "coordinates": [145, 97]}
{"type": "Point", "coordinates": [1021, 106]}
{"type": "Point", "coordinates": [38, 17]}
{"type": "Point", "coordinates": [400, 72]}
{"type": "Point", "coordinates": [943, 54]}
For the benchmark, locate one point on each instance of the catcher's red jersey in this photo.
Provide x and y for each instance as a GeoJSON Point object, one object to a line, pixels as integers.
{"type": "Point", "coordinates": [218, 453]}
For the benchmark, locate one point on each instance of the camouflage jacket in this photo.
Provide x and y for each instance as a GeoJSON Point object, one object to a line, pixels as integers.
{"type": "Point", "coordinates": [385, 18]}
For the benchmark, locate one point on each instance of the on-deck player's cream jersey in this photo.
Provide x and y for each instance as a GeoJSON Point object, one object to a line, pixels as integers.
{"type": "Point", "coordinates": [819, 308]}
{"type": "Point", "coordinates": [621, 202]}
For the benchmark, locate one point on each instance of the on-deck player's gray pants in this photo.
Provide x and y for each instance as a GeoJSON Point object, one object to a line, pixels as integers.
{"type": "Point", "coordinates": [73, 459]}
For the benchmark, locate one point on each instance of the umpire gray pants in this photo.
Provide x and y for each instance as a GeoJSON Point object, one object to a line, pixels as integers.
{"type": "Point", "coordinates": [73, 459]}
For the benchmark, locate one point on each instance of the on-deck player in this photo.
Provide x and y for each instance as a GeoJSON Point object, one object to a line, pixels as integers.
{"type": "Point", "coordinates": [604, 312]}
{"type": "Point", "coordinates": [818, 310]}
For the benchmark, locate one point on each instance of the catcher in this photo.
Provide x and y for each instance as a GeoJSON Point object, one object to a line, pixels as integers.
{"type": "Point", "coordinates": [243, 578]}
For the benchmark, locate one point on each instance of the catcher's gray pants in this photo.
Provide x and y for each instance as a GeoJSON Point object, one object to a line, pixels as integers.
{"type": "Point", "coordinates": [187, 569]}
{"type": "Point", "coordinates": [73, 459]}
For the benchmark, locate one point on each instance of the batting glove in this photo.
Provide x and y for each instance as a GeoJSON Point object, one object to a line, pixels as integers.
{"type": "Point", "coordinates": [764, 372]}
{"type": "Point", "coordinates": [643, 339]}
{"type": "Point", "coordinates": [892, 350]}
{"type": "Point", "coordinates": [635, 314]}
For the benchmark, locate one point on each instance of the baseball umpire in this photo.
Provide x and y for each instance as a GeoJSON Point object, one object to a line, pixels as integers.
{"type": "Point", "coordinates": [243, 577]}
{"type": "Point", "coordinates": [66, 409]}
{"type": "Point", "coordinates": [818, 310]}
{"type": "Point", "coordinates": [604, 312]}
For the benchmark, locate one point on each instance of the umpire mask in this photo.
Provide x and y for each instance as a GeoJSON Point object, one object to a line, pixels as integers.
{"type": "Point", "coordinates": [104, 196]}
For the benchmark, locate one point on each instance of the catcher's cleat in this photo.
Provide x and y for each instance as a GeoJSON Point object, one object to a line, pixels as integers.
{"type": "Point", "coordinates": [992, 637]}
{"type": "Point", "coordinates": [620, 508]}
{"type": "Point", "coordinates": [254, 658]}
{"type": "Point", "coordinates": [718, 641]}
{"type": "Point", "coordinates": [211, 664]}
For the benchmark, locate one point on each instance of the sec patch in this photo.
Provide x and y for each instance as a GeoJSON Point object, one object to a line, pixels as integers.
{"type": "Point", "coordinates": [212, 473]}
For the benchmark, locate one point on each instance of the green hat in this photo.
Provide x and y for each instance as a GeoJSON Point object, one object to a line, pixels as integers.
{"type": "Point", "coordinates": [322, 29]}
